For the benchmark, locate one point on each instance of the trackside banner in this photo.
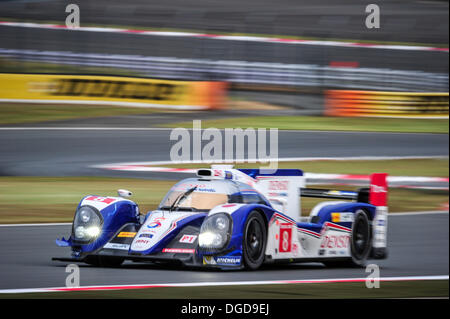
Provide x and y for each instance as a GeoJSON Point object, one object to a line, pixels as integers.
{"type": "Point", "coordinates": [109, 90]}
{"type": "Point", "coordinates": [386, 104]}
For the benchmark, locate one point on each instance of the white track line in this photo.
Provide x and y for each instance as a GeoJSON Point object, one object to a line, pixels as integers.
{"type": "Point", "coordinates": [108, 128]}
{"type": "Point", "coordinates": [283, 159]}
{"type": "Point", "coordinates": [33, 225]}
{"type": "Point", "coordinates": [210, 284]}
{"type": "Point", "coordinates": [146, 167]}
{"type": "Point", "coordinates": [226, 37]}
{"type": "Point", "coordinates": [50, 128]}
{"type": "Point", "coordinates": [418, 213]}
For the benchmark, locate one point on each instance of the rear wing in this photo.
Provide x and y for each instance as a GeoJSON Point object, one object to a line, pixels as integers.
{"type": "Point", "coordinates": [331, 194]}
{"type": "Point", "coordinates": [376, 194]}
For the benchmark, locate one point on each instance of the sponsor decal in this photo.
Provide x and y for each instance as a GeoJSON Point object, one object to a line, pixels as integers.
{"type": "Point", "coordinates": [377, 189]}
{"type": "Point", "coordinates": [115, 89]}
{"type": "Point", "coordinates": [188, 239]}
{"type": "Point", "coordinates": [117, 246]}
{"type": "Point", "coordinates": [208, 260]}
{"type": "Point", "coordinates": [146, 235]}
{"type": "Point", "coordinates": [333, 241]}
{"type": "Point", "coordinates": [222, 260]}
{"type": "Point", "coordinates": [381, 222]}
{"type": "Point", "coordinates": [126, 234]}
{"type": "Point", "coordinates": [285, 238]}
{"type": "Point", "coordinates": [105, 200]}
{"type": "Point", "coordinates": [178, 250]}
{"type": "Point", "coordinates": [342, 217]}
{"type": "Point", "coordinates": [232, 260]}
{"type": "Point", "coordinates": [295, 248]}
{"type": "Point", "coordinates": [278, 194]}
{"type": "Point", "coordinates": [228, 175]}
{"type": "Point", "coordinates": [278, 185]}
{"type": "Point", "coordinates": [141, 243]}
{"type": "Point", "coordinates": [185, 186]}
{"type": "Point", "coordinates": [206, 190]}
{"type": "Point", "coordinates": [154, 224]}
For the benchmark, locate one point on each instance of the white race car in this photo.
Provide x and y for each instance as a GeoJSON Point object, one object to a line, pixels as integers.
{"type": "Point", "coordinates": [234, 218]}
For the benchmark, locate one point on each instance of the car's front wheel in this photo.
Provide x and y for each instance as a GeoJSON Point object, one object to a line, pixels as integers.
{"type": "Point", "coordinates": [254, 241]}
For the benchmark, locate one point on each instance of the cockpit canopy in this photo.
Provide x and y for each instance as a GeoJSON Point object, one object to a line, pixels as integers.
{"type": "Point", "coordinates": [194, 194]}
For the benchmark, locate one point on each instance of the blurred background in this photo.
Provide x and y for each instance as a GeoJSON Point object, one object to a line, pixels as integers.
{"type": "Point", "coordinates": [295, 65]}
{"type": "Point", "coordinates": [89, 110]}
{"type": "Point", "coordinates": [286, 52]}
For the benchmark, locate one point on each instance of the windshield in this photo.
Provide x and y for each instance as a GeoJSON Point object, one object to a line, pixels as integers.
{"type": "Point", "coordinates": [193, 201]}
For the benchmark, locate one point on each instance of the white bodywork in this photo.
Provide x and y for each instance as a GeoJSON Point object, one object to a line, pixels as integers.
{"type": "Point", "coordinates": [286, 240]}
{"type": "Point", "coordinates": [156, 227]}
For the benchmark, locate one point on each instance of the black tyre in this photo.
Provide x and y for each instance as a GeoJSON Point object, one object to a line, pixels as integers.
{"type": "Point", "coordinates": [254, 241]}
{"type": "Point", "coordinates": [361, 239]}
{"type": "Point", "coordinates": [360, 243]}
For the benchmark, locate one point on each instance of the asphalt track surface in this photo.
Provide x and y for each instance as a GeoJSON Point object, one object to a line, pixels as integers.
{"type": "Point", "coordinates": [212, 49]}
{"type": "Point", "coordinates": [72, 152]}
{"type": "Point", "coordinates": [405, 20]}
{"type": "Point", "coordinates": [418, 246]}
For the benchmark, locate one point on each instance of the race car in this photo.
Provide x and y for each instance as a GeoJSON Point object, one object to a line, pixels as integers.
{"type": "Point", "coordinates": [233, 219]}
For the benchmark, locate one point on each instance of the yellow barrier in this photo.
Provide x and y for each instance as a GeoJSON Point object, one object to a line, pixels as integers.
{"type": "Point", "coordinates": [386, 104]}
{"type": "Point", "coordinates": [109, 90]}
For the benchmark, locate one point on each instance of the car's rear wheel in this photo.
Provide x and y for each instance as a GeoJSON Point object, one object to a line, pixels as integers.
{"type": "Point", "coordinates": [254, 241]}
{"type": "Point", "coordinates": [361, 239]}
{"type": "Point", "coordinates": [360, 243]}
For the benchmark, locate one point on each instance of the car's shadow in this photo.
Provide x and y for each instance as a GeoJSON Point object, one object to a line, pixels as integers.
{"type": "Point", "coordinates": [176, 267]}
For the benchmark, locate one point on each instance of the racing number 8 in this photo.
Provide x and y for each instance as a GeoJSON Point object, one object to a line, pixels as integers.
{"type": "Point", "coordinates": [285, 238]}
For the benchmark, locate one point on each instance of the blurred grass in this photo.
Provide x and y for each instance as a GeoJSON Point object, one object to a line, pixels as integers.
{"type": "Point", "coordinates": [319, 123]}
{"type": "Point", "coordinates": [402, 289]}
{"type": "Point", "coordinates": [403, 167]}
{"type": "Point", "coordinates": [54, 199]}
{"type": "Point", "coordinates": [15, 66]}
{"type": "Point", "coordinates": [35, 113]}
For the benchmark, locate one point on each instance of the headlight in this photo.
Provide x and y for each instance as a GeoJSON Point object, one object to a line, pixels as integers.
{"type": "Point", "coordinates": [87, 224]}
{"type": "Point", "coordinates": [215, 231]}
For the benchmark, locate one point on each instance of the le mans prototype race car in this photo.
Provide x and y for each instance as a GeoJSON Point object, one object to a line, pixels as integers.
{"type": "Point", "coordinates": [232, 219]}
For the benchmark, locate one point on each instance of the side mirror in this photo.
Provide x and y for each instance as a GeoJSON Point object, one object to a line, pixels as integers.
{"type": "Point", "coordinates": [124, 193]}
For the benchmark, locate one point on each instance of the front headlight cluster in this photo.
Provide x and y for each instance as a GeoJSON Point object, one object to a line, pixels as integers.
{"type": "Point", "coordinates": [215, 231]}
{"type": "Point", "coordinates": [87, 224]}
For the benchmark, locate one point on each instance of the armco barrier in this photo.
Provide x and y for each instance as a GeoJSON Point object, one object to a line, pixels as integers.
{"type": "Point", "coordinates": [108, 90]}
{"type": "Point", "coordinates": [386, 104]}
{"type": "Point", "coordinates": [270, 75]}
